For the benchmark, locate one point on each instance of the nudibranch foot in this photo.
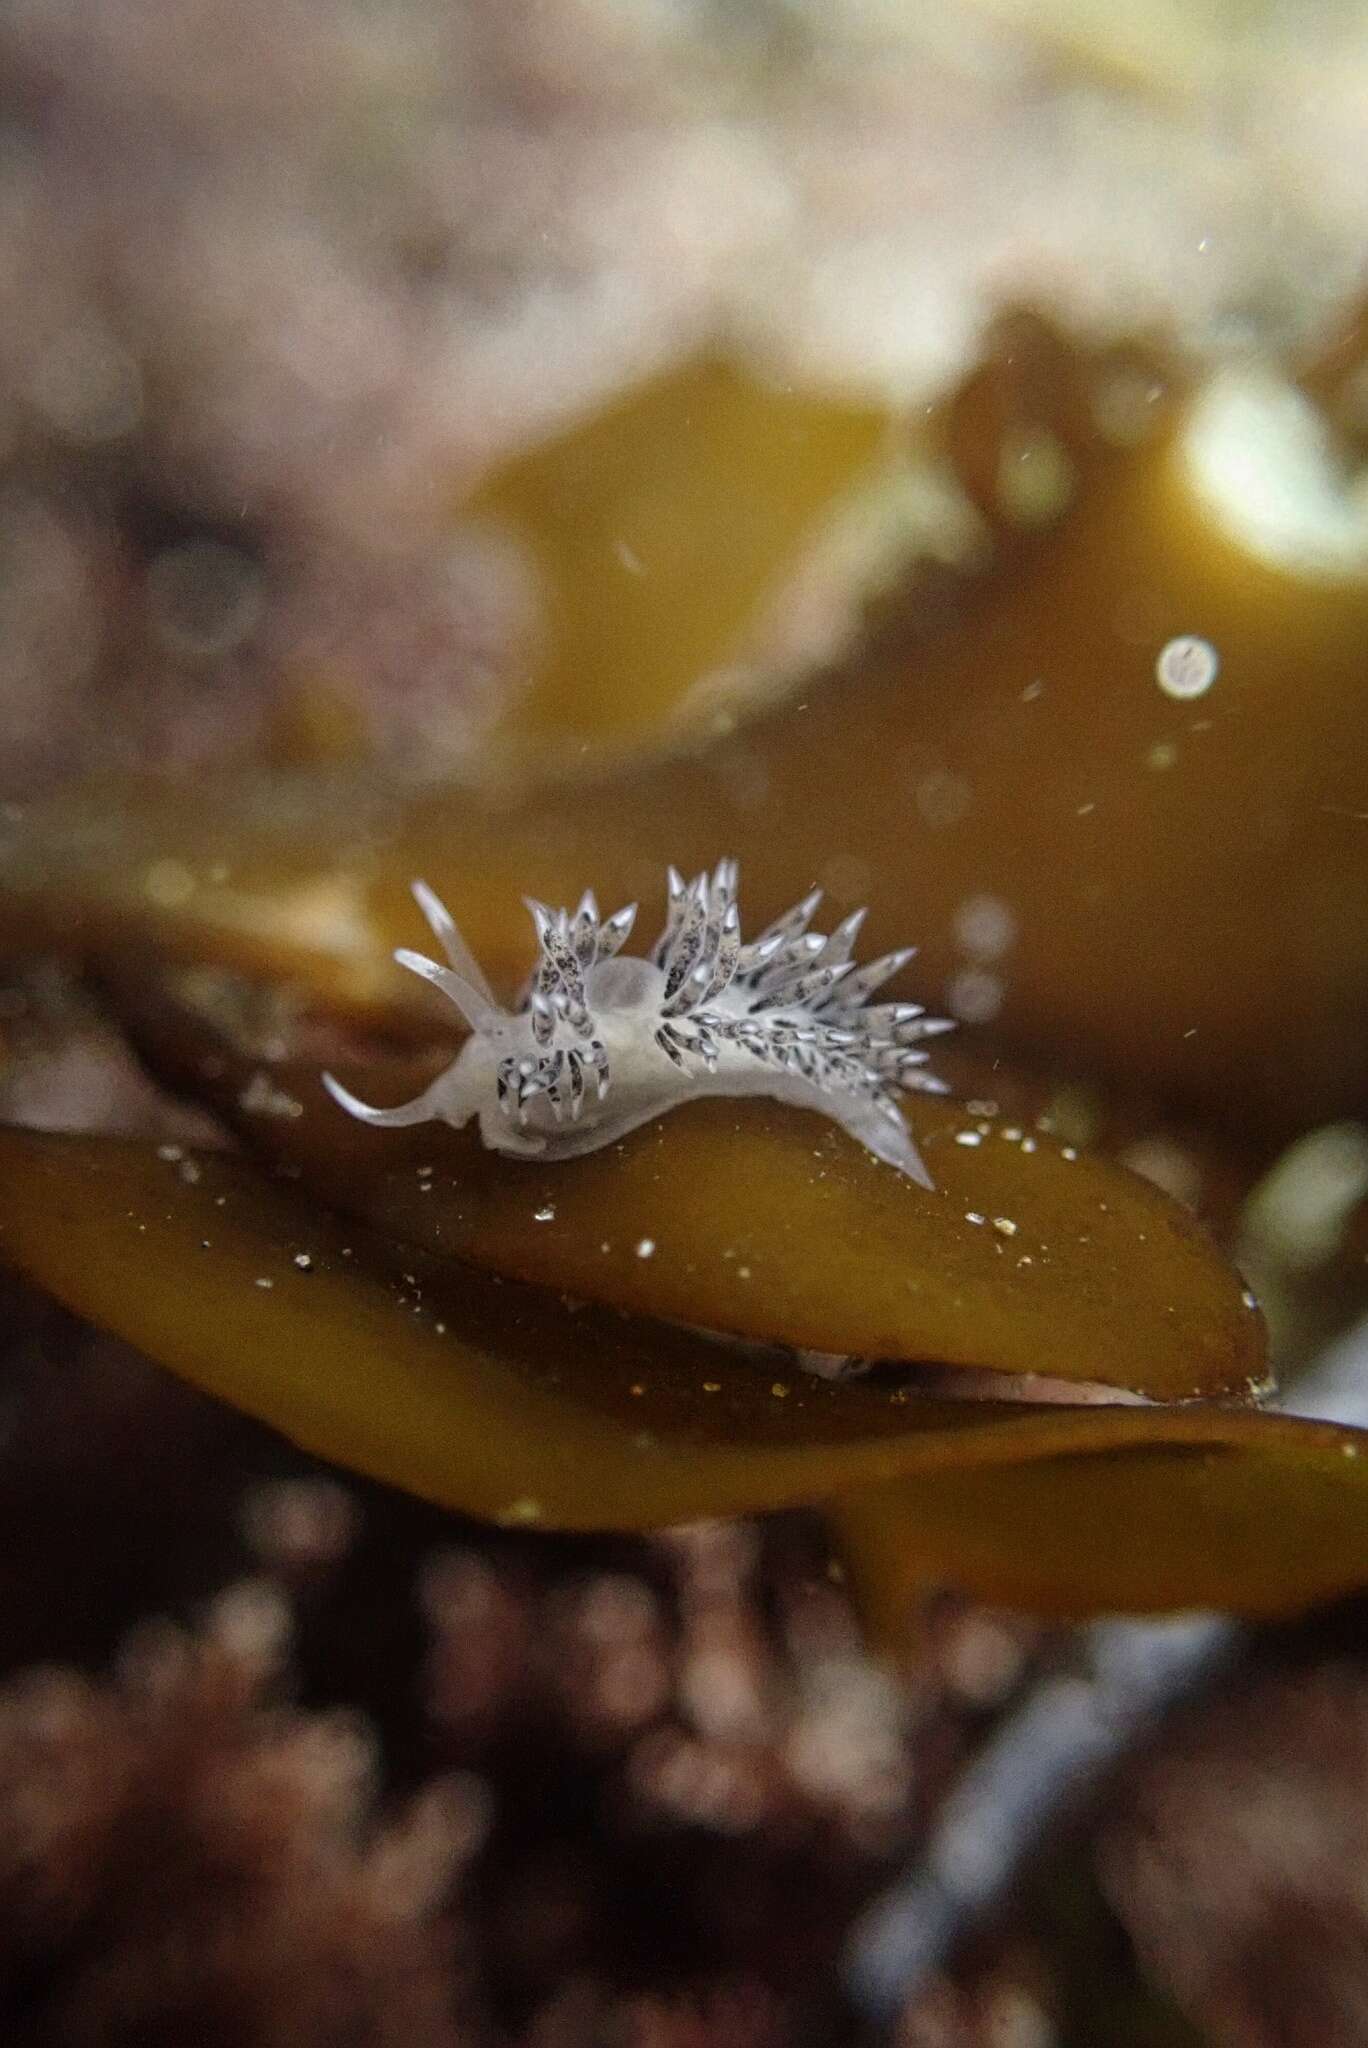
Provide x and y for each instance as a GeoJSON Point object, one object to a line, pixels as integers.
{"type": "Point", "coordinates": [601, 1042]}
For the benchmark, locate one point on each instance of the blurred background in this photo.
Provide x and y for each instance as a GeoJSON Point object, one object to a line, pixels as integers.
{"type": "Point", "coordinates": [529, 402]}
{"type": "Point", "coordinates": [292, 295]}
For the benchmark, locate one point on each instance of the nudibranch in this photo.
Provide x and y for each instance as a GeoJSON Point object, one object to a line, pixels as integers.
{"type": "Point", "coordinates": [602, 1042]}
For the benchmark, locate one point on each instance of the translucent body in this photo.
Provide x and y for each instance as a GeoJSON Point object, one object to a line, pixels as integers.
{"type": "Point", "coordinates": [601, 1043]}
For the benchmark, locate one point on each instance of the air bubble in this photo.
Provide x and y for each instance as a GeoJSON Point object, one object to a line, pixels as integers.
{"type": "Point", "coordinates": [1187, 667]}
{"type": "Point", "coordinates": [974, 995]}
{"type": "Point", "coordinates": [985, 926]}
{"type": "Point", "coordinates": [203, 597]}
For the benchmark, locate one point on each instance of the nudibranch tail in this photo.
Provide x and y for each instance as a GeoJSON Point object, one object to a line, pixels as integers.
{"type": "Point", "coordinates": [419, 1111]}
{"type": "Point", "coordinates": [600, 1042]}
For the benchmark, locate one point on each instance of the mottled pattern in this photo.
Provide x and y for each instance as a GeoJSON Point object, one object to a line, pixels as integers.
{"type": "Point", "coordinates": [601, 1044]}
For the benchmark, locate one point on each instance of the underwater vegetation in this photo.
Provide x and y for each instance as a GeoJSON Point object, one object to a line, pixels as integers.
{"type": "Point", "coordinates": [1112, 777]}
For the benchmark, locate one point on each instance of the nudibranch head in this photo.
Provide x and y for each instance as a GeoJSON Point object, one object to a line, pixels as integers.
{"type": "Point", "coordinates": [603, 1041]}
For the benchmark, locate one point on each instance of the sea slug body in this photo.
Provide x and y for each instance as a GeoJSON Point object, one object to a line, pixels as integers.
{"type": "Point", "coordinates": [603, 1041]}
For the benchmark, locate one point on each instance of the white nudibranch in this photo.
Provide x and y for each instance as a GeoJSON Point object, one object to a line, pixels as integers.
{"type": "Point", "coordinates": [601, 1042]}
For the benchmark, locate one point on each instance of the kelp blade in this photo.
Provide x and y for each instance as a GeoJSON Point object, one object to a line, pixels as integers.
{"type": "Point", "coordinates": [499, 1401]}
{"type": "Point", "coordinates": [1145, 855]}
{"type": "Point", "coordinates": [764, 1221]}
